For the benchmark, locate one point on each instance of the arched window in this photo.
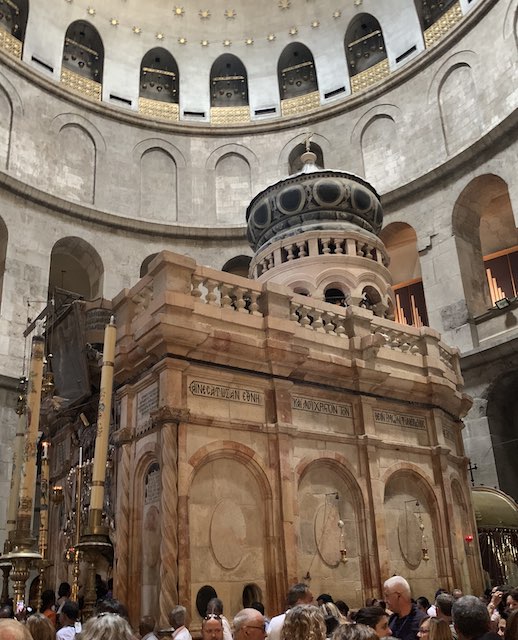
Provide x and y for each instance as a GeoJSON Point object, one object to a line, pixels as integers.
{"type": "Point", "coordinates": [297, 77]}
{"type": "Point", "coordinates": [334, 295]}
{"type": "Point", "coordinates": [76, 266]}
{"type": "Point", "coordinates": [401, 243]}
{"type": "Point", "coordinates": [296, 71]}
{"type": "Point", "coordinates": [228, 82]}
{"type": "Point", "coordinates": [239, 266]}
{"type": "Point", "coordinates": [295, 163]}
{"type": "Point", "coordinates": [365, 52]}
{"type": "Point", "coordinates": [228, 88]}
{"type": "Point", "coordinates": [144, 267]}
{"type": "Point", "coordinates": [437, 17]}
{"type": "Point", "coordinates": [487, 243]}
{"type": "Point", "coordinates": [159, 89]}
{"type": "Point", "coordinates": [13, 21]}
{"type": "Point", "coordinates": [83, 59]}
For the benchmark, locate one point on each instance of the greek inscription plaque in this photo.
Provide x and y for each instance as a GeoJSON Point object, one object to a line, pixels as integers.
{"type": "Point", "coordinates": [301, 403]}
{"type": "Point", "coordinates": [220, 392]}
{"type": "Point", "coordinates": [400, 420]}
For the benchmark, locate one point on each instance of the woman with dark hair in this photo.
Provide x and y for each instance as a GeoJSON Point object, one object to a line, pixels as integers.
{"type": "Point", "coordinates": [376, 618]}
{"type": "Point", "coordinates": [423, 604]}
{"type": "Point", "coordinates": [48, 601]}
{"type": "Point", "coordinates": [511, 627]}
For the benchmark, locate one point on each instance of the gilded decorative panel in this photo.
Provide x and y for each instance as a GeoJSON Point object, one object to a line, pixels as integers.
{"type": "Point", "coordinates": [10, 44]}
{"type": "Point", "coordinates": [438, 29]}
{"type": "Point", "coordinates": [159, 109]}
{"type": "Point", "coordinates": [229, 115]}
{"type": "Point", "coordinates": [300, 104]}
{"type": "Point", "coordinates": [370, 76]}
{"type": "Point", "coordinates": [80, 84]}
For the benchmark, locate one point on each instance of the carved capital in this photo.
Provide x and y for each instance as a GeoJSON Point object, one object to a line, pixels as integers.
{"type": "Point", "coordinates": [166, 414]}
{"type": "Point", "coordinates": [122, 436]}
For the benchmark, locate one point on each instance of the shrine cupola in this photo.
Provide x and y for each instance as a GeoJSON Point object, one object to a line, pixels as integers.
{"type": "Point", "coordinates": [316, 232]}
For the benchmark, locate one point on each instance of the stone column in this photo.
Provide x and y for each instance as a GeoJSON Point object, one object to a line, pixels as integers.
{"type": "Point", "coordinates": [287, 570]}
{"type": "Point", "coordinates": [122, 548]}
{"type": "Point", "coordinates": [168, 419]}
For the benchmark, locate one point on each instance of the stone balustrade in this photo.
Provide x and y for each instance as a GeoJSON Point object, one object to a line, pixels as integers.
{"type": "Point", "coordinates": [208, 287]}
{"type": "Point", "coordinates": [317, 243]}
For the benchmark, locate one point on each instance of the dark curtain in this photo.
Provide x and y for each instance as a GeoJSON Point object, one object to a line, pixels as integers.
{"type": "Point", "coordinates": [499, 550]}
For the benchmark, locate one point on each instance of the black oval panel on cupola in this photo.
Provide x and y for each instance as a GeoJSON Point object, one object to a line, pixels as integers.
{"type": "Point", "coordinates": [291, 200]}
{"type": "Point", "coordinates": [328, 192]}
{"type": "Point", "coordinates": [361, 199]}
{"type": "Point", "coordinates": [261, 216]}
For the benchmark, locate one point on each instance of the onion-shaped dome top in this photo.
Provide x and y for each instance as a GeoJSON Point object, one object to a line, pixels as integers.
{"type": "Point", "coordinates": [312, 199]}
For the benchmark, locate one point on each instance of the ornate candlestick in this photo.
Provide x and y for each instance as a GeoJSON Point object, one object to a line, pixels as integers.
{"type": "Point", "coordinates": [19, 439]}
{"type": "Point", "coordinates": [44, 515]}
{"type": "Point", "coordinates": [23, 554]}
{"type": "Point", "coordinates": [95, 541]}
{"type": "Point", "coordinates": [79, 487]}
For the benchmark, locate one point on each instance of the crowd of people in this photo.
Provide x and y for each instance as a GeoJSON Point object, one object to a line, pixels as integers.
{"type": "Point", "coordinates": [451, 616]}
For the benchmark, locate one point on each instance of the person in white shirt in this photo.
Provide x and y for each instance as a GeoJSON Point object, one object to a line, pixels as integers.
{"type": "Point", "coordinates": [298, 594]}
{"type": "Point", "coordinates": [177, 620]}
{"type": "Point", "coordinates": [146, 628]}
{"type": "Point", "coordinates": [67, 619]}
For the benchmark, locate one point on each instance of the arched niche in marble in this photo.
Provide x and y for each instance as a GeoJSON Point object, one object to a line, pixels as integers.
{"type": "Point", "coordinates": [331, 541]}
{"type": "Point", "coordinates": [150, 540]}
{"type": "Point", "coordinates": [75, 266]}
{"type": "Point", "coordinates": [458, 532]}
{"type": "Point", "coordinates": [228, 528]}
{"type": "Point", "coordinates": [412, 529]}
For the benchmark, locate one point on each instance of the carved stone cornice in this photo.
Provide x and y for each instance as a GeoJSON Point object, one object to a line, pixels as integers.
{"type": "Point", "coordinates": [166, 414]}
